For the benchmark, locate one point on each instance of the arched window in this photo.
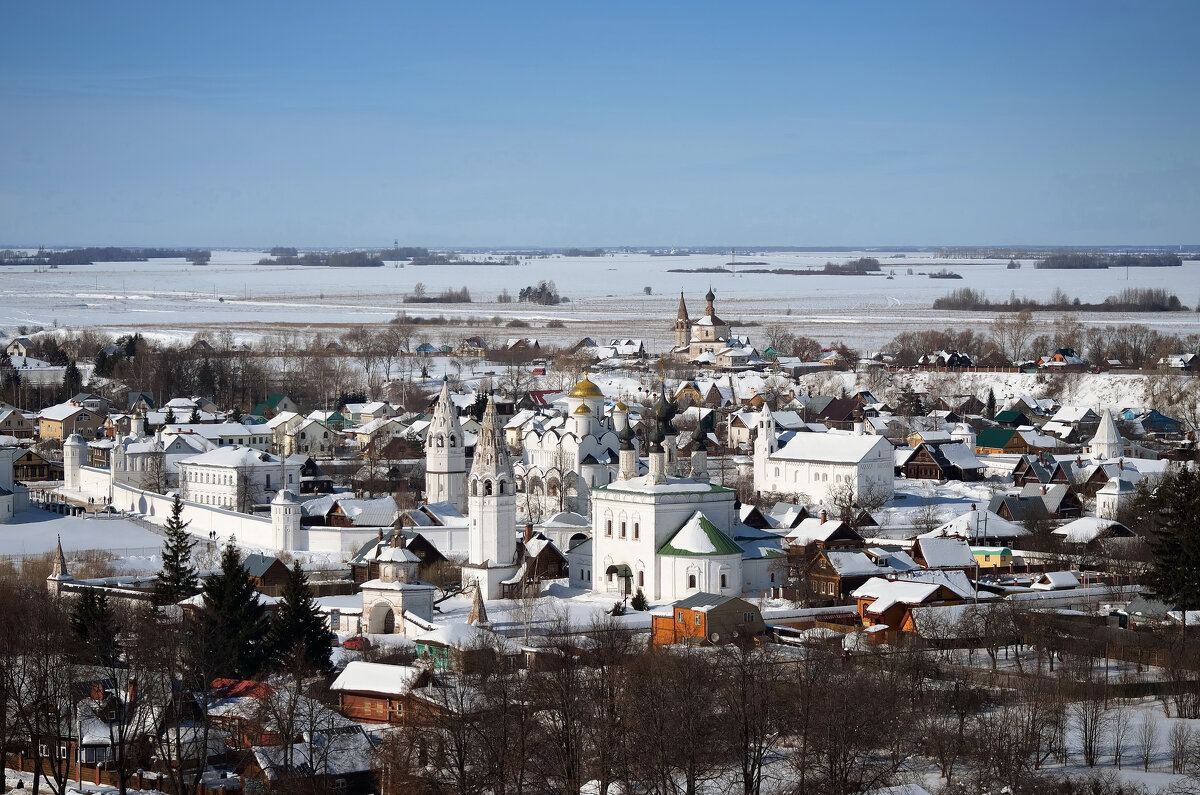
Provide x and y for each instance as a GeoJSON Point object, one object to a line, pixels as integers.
{"type": "Point", "coordinates": [453, 441]}
{"type": "Point", "coordinates": [441, 440]}
{"type": "Point", "coordinates": [487, 488]}
{"type": "Point", "coordinates": [641, 578]}
{"type": "Point", "coordinates": [691, 581]}
{"type": "Point", "coordinates": [722, 580]}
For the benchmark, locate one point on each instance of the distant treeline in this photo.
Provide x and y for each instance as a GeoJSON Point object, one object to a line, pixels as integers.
{"type": "Point", "coordinates": [87, 256]}
{"type": "Point", "coordinates": [403, 252]}
{"type": "Point", "coordinates": [1131, 299]}
{"type": "Point", "coordinates": [1072, 260]}
{"type": "Point", "coordinates": [454, 259]}
{"type": "Point", "coordinates": [341, 259]}
{"type": "Point", "coordinates": [284, 251]}
{"type": "Point", "coordinates": [583, 252]}
{"type": "Point", "coordinates": [856, 267]}
{"type": "Point", "coordinates": [448, 296]}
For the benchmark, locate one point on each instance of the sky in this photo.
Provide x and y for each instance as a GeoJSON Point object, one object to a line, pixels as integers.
{"type": "Point", "coordinates": [599, 124]}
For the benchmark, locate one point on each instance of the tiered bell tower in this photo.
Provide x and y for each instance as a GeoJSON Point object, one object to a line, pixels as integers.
{"type": "Point", "coordinates": [683, 325]}
{"type": "Point", "coordinates": [492, 510]}
{"type": "Point", "coordinates": [445, 457]}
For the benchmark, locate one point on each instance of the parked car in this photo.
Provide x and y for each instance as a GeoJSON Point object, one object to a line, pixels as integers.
{"type": "Point", "coordinates": [357, 643]}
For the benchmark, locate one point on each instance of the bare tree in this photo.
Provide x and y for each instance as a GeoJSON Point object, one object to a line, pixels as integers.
{"type": "Point", "coordinates": [1011, 333]}
{"type": "Point", "coordinates": [1120, 724]}
{"type": "Point", "coordinates": [1147, 739]}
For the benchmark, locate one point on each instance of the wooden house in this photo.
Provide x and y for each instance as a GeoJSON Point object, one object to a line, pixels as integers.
{"type": "Point", "coordinates": [378, 693]}
{"type": "Point", "coordinates": [942, 461]}
{"type": "Point", "coordinates": [13, 423]}
{"type": "Point", "coordinates": [31, 467]}
{"type": "Point", "coordinates": [890, 603]}
{"type": "Point", "coordinates": [707, 618]}
{"type": "Point", "coordinates": [266, 570]}
{"type": "Point", "coordinates": [1000, 440]}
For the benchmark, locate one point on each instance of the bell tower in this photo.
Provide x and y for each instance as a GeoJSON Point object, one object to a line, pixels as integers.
{"type": "Point", "coordinates": [445, 458]}
{"type": "Point", "coordinates": [492, 510]}
{"type": "Point", "coordinates": [683, 325]}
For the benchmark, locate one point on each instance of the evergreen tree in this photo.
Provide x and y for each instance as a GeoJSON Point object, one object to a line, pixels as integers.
{"type": "Point", "coordinates": [479, 406]}
{"type": "Point", "coordinates": [235, 414]}
{"type": "Point", "coordinates": [991, 404]}
{"type": "Point", "coordinates": [639, 601]}
{"type": "Point", "coordinates": [297, 629]}
{"type": "Point", "coordinates": [95, 626]}
{"type": "Point", "coordinates": [177, 579]}
{"type": "Point", "coordinates": [169, 419]}
{"type": "Point", "coordinates": [1167, 510]}
{"type": "Point", "coordinates": [72, 382]}
{"type": "Point", "coordinates": [232, 623]}
{"type": "Point", "coordinates": [194, 417]}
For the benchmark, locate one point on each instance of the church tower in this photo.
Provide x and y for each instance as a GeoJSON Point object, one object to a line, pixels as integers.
{"type": "Point", "coordinates": [492, 510]}
{"type": "Point", "coordinates": [285, 518]}
{"type": "Point", "coordinates": [765, 444]}
{"type": "Point", "coordinates": [1107, 444]}
{"type": "Point", "coordinates": [445, 457]}
{"type": "Point", "coordinates": [683, 325]}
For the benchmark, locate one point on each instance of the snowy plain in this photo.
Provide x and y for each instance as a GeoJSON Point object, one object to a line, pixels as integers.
{"type": "Point", "coordinates": [170, 297]}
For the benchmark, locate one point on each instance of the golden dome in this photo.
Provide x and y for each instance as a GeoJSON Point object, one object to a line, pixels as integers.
{"type": "Point", "coordinates": [583, 409]}
{"type": "Point", "coordinates": [585, 389]}
{"type": "Point", "coordinates": [620, 406]}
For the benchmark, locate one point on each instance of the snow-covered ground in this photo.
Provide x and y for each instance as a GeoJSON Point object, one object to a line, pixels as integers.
{"type": "Point", "coordinates": [178, 298]}
{"type": "Point", "coordinates": [35, 531]}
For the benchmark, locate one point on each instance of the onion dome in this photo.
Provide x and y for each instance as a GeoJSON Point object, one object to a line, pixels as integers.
{"type": "Point", "coordinates": [585, 389]}
{"type": "Point", "coordinates": [626, 436]}
{"type": "Point", "coordinates": [583, 409]}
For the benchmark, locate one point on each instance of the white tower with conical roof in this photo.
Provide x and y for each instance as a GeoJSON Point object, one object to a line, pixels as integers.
{"type": "Point", "coordinates": [74, 456]}
{"type": "Point", "coordinates": [491, 509]}
{"type": "Point", "coordinates": [285, 518]}
{"type": "Point", "coordinates": [445, 457]}
{"type": "Point", "coordinates": [1107, 443]}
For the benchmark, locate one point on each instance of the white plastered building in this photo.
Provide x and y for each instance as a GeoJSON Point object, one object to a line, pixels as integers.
{"type": "Point", "coordinates": [817, 464]}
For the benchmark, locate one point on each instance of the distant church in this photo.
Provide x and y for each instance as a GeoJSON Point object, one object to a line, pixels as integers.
{"type": "Point", "coordinates": [708, 334]}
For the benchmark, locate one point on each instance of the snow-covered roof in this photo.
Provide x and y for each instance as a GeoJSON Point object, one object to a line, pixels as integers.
{"type": "Point", "coordinates": [393, 680]}
{"type": "Point", "coordinates": [834, 447]}
{"type": "Point", "coordinates": [700, 537]}
{"type": "Point", "coordinates": [978, 525]}
{"type": "Point", "coordinates": [945, 553]}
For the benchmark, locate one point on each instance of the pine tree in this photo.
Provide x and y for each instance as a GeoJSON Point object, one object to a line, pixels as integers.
{"type": "Point", "coordinates": [232, 622]}
{"type": "Point", "coordinates": [1167, 509]}
{"type": "Point", "coordinates": [72, 380]}
{"type": "Point", "coordinates": [169, 419]}
{"type": "Point", "coordinates": [177, 579]}
{"type": "Point", "coordinates": [235, 414]}
{"type": "Point", "coordinates": [991, 404]}
{"type": "Point", "coordinates": [194, 417]}
{"type": "Point", "coordinates": [297, 629]}
{"type": "Point", "coordinates": [639, 601]}
{"type": "Point", "coordinates": [94, 624]}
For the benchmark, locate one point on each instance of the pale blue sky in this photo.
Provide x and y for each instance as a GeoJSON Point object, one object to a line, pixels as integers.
{"type": "Point", "coordinates": [635, 123]}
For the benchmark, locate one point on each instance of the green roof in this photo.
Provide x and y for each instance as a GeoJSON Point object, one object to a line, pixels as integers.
{"type": "Point", "coordinates": [700, 538]}
{"type": "Point", "coordinates": [1008, 416]}
{"type": "Point", "coordinates": [994, 437]}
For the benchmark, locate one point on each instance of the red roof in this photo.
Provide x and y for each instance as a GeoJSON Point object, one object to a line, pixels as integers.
{"type": "Point", "coordinates": [241, 688]}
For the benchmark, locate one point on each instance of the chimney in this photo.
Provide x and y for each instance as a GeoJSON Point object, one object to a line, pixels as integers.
{"type": "Point", "coordinates": [528, 533]}
{"type": "Point", "coordinates": [824, 516]}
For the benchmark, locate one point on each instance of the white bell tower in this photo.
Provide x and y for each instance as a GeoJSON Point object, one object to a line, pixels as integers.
{"type": "Point", "coordinates": [491, 510]}
{"type": "Point", "coordinates": [445, 457]}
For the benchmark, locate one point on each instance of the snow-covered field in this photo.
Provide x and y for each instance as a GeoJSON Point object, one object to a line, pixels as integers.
{"type": "Point", "coordinates": [36, 531]}
{"type": "Point", "coordinates": [175, 298]}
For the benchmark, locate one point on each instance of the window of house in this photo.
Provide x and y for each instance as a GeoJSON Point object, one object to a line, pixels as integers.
{"type": "Point", "coordinates": [641, 578]}
{"type": "Point", "coordinates": [699, 619]}
{"type": "Point", "coordinates": [722, 580]}
{"type": "Point", "coordinates": [335, 620]}
{"type": "Point", "coordinates": [748, 618]}
{"type": "Point", "coordinates": [608, 527]}
{"type": "Point", "coordinates": [636, 533]}
{"type": "Point", "coordinates": [622, 529]}
{"type": "Point", "coordinates": [691, 580]}
{"type": "Point", "coordinates": [679, 616]}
